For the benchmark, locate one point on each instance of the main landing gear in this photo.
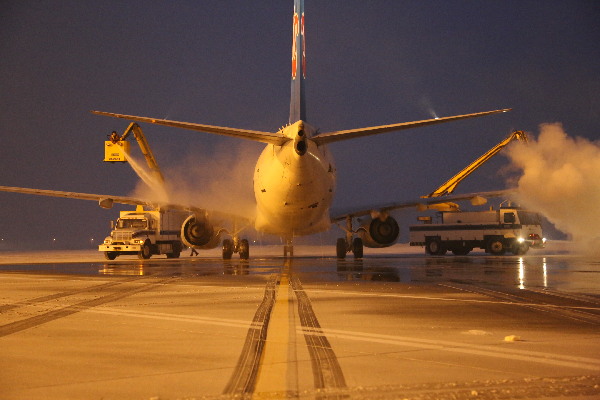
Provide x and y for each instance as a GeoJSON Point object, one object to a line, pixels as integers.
{"type": "Point", "coordinates": [236, 245]}
{"type": "Point", "coordinates": [349, 243]}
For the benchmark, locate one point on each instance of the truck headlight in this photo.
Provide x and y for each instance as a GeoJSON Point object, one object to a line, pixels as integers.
{"type": "Point", "coordinates": [520, 240]}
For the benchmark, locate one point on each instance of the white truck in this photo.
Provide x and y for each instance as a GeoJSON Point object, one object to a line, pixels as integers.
{"type": "Point", "coordinates": [496, 231]}
{"type": "Point", "coordinates": [145, 233]}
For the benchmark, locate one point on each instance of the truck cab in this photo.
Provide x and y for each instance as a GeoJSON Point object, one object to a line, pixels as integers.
{"type": "Point", "coordinates": [145, 233]}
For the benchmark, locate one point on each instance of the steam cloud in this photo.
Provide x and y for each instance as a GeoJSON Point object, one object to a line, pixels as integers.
{"type": "Point", "coordinates": [561, 180]}
{"type": "Point", "coordinates": [220, 181]}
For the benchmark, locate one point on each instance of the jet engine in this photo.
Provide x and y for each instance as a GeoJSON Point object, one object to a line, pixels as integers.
{"type": "Point", "coordinates": [378, 232]}
{"type": "Point", "coordinates": [198, 232]}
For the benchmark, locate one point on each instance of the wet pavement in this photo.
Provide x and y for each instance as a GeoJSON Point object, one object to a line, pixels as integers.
{"type": "Point", "coordinates": [388, 326]}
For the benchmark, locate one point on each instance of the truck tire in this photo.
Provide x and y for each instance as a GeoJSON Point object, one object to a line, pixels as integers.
{"type": "Point", "coordinates": [520, 248]}
{"type": "Point", "coordinates": [175, 250]}
{"type": "Point", "coordinates": [174, 254]}
{"type": "Point", "coordinates": [496, 247]}
{"type": "Point", "coordinates": [435, 247]}
{"type": "Point", "coordinates": [146, 251]}
{"type": "Point", "coordinates": [110, 255]}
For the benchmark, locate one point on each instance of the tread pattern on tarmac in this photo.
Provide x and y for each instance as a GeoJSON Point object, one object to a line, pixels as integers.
{"type": "Point", "coordinates": [326, 369]}
{"type": "Point", "coordinates": [53, 315]}
{"type": "Point", "coordinates": [569, 387]}
{"type": "Point", "coordinates": [55, 296]}
{"type": "Point", "coordinates": [583, 309]}
{"type": "Point", "coordinates": [243, 379]}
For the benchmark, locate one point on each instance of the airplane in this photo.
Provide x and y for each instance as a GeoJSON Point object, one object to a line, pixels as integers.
{"type": "Point", "coordinates": [294, 177]}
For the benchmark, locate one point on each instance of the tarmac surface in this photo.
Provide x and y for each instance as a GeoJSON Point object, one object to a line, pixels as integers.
{"type": "Point", "coordinates": [393, 325]}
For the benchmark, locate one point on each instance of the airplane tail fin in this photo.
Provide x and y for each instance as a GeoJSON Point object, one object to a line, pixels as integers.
{"type": "Point", "coordinates": [297, 104]}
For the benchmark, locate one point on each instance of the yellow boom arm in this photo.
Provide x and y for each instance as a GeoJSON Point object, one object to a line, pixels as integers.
{"type": "Point", "coordinates": [451, 184]}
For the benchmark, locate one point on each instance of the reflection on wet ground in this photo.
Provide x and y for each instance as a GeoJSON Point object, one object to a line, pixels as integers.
{"type": "Point", "coordinates": [557, 271]}
{"type": "Point", "coordinates": [407, 326]}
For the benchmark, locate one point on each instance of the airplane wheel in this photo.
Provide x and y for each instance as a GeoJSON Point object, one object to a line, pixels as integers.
{"type": "Point", "coordinates": [227, 249]}
{"type": "Point", "coordinates": [110, 255]}
{"type": "Point", "coordinates": [146, 252]}
{"type": "Point", "coordinates": [357, 248]}
{"type": "Point", "coordinates": [244, 249]}
{"type": "Point", "coordinates": [340, 248]}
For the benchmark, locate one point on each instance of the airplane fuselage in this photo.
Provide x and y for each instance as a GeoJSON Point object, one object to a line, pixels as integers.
{"type": "Point", "coordinates": [294, 185]}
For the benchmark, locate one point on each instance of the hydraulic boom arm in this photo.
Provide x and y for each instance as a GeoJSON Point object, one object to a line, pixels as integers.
{"type": "Point", "coordinates": [448, 187]}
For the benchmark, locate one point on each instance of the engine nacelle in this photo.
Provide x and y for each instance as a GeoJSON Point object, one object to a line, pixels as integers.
{"type": "Point", "coordinates": [198, 232]}
{"type": "Point", "coordinates": [379, 232]}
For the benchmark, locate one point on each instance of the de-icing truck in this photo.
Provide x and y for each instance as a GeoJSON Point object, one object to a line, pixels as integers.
{"type": "Point", "coordinates": [145, 233]}
{"type": "Point", "coordinates": [496, 231]}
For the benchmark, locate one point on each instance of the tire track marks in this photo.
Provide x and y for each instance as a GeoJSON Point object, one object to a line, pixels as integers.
{"type": "Point", "coordinates": [327, 372]}
{"type": "Point", "coordinates": [575, 311]}
{"type": "Point", "coordinates": [43, 299]}
{"type": "Point", "coordinates": [243, 379]}
{"type": "Point", "coordinates": [53, 315]}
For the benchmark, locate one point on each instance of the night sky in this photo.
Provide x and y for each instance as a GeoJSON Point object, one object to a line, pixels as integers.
{"type": "Point", "coordinates": [228, 63]}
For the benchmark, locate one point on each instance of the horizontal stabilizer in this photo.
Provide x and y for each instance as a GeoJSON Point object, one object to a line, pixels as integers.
{"type": "Point", "coordinates": [257, 136]}
{"type": "Point", "coordinates": [337, 136]}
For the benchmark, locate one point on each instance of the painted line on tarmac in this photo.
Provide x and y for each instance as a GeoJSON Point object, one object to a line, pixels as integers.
{"type": "Point", "coordinates": [276, 374]}
{"type": "Point", "coordinates": [592, 364]}
{"type": "Point", "coordinates": [175, 317]}
{"type": "Point", "coordinates": [268, 365]}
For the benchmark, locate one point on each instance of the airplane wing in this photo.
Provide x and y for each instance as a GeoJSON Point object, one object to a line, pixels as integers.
{"type": "Point", "coordinates": [421, 203]}
{"type": "Point", "coordinates": [337, 136]}
{"type": "Point", "coordinates": [257, 136]}
{"type": "Point", "coordinates": [107, 201]}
